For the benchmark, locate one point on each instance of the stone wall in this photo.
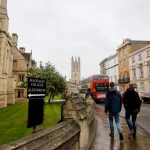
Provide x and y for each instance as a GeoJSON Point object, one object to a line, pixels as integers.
{"type": "Point", "coordinates": [75, 132]}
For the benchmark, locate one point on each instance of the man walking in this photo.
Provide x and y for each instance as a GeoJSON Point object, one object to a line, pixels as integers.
{"type": "Point", "coordinates": [132, 103]}
{"type": "Point", "coordinates": [112, 108]}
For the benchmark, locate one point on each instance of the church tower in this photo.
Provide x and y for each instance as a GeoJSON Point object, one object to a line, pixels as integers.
{"type": "Point", "coordinates": [75, 70]}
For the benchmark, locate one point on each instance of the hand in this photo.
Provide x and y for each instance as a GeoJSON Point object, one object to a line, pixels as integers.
{"type": "Point", "coordinates": [106, 114]}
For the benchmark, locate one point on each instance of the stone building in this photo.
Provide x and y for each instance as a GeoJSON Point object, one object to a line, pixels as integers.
{"type": "Point", "coordinates": [75, 70]}
{"type": "Point", "coordinates": [112, 68]}
{"type": "Point", "coordinates": [7, 82]}
{"type": "Point", "coordinates": [22, 61]}
{"type": "Point", "coordinates": [139, 64]}
{"type": "Point", "coordinates": [103, 66]}
{"type": "Point", "coordinates": [127, 47]}
{"type": "Point", "coordinates": [14, 62]}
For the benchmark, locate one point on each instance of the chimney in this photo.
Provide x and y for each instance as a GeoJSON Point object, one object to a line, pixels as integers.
{"type": "Point", "coordinates": [22, 49]}
{"type": "Point", "coordinates": [15, 39]}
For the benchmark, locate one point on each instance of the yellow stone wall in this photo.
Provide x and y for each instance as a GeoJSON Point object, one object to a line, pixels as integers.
{"type": "Point", "coordinates": [130, 46]}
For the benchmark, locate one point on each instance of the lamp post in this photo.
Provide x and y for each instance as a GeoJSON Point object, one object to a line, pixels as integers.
{"type": "Point", "coordinates": [27, 77]}
{"type": "Point", "coordinates": [27, 68]}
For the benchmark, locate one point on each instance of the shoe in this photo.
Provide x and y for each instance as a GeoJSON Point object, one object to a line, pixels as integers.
{"type": "Point", "coordinates": [131, 131]}
{"type": "Point", "coordinates": [111, 135]}
{"type": "Point", "coordinates": [134, 133]}
{"type": "Point", "coordinates": [121, 136]}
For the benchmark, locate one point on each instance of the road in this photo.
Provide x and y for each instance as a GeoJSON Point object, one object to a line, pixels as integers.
{"type": "Point", "coordinates": [102, 141]}
{"type": "Point", "coordinates": [143, 118]}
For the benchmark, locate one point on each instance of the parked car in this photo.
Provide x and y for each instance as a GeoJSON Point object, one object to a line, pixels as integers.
{"type": "Point", "coordinates": [146, 97]}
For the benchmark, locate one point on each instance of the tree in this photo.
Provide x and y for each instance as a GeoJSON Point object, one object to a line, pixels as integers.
{"type": "Point", "coordinates": [55, 83]}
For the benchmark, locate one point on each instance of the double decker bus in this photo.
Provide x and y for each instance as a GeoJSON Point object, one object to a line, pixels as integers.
{"type": "Point", "coordinates": [98, 84]}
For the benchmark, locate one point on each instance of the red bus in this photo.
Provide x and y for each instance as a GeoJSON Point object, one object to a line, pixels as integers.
{"type": "Point", "coordinates": [98, 85]}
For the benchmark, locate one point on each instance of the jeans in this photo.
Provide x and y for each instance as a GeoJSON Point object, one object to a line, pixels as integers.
{"type": "Point", "coordinates": [133, 114]}
{"type": "Point", "coordinates": [115, 116]}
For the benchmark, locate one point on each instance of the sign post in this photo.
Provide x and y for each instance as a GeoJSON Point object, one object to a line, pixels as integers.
{"type": "Point", "coordinates": [35, 93]}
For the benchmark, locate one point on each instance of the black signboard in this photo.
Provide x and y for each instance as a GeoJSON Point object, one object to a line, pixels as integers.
{"type": "Point", "coordinates": [35, 112]}
{"type": "Point", "coordinates": [35, 94]}
{"type": "Point", "coordinates": [36, 88]}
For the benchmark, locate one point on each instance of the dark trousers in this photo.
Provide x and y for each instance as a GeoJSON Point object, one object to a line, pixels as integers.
{"type": "Point", "coordinates": [130, 117]}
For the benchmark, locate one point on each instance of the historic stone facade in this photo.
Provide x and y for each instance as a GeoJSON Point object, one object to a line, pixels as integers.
{"type": "Point", "coordinates": [139, 63]}
{"type": "Point", "coordinates": [75, 70]}
{"type": "Point", "coordinates": [112, 69]}
{"type": "Point", "coordinates": [22, 61]}
{"type": "Point", "coordinates": [7, 82]}
{"type": "Point", "coordinates": [14, 62]}
{"type": "Point", "coordinates": [127, 47]}
{"type": "Point", "coordinates": [103, 65]}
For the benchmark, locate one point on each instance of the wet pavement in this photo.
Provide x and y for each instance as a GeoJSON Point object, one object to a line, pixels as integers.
{"type": "Point", "coordinates": [102, 141]}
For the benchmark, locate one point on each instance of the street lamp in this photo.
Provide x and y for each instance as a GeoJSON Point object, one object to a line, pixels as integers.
{"type": "Point", "coordinates": [27, 68]}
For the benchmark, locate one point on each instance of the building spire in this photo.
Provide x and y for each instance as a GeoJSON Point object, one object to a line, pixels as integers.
{"type": "Point", "coordinates": [3, 16]}
{"type": "Point", "coordinates": [3, 4]}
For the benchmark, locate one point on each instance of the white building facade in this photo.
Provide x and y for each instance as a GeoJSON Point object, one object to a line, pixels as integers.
{"type": "Point", "coordinates": [139, 64]}
{"type": "Point", "coordinates": [112, 68]}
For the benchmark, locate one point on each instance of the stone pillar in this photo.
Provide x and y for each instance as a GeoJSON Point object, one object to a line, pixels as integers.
{"type": "Point", "coordinates": [77, 109]}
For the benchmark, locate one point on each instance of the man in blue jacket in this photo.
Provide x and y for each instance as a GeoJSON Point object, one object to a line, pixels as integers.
{"type": "Point", "coordinates": [112, 108]}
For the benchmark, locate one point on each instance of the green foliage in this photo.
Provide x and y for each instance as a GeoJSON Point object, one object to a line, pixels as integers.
{"type": "Point", "coordinates": [13, 120]}
{"type": "Point", "coordinates": [55, 83]}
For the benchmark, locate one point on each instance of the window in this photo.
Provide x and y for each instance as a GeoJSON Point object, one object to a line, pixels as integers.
{"type": "Point", "coordinates": [133, 59]}
{"type": "Point", "coordinates": [134, 73]}
{"type": "Point", "coordinates": [115, 78]}
{"type": "Point", "coordinates": [126, 75]}
{"type": "Point", "coordinates": [14, 64]}
{"type": "Point", "coordinates": [125, 52]}
{"type": "Point", "coordinates": [141, 72]}
{"type": "Point", "coordinates": [121, 76]}
{"type": "Point", "coordinates": [142, 86]}
{"type": "Point", "coordinates": [120, 53]}
{"type": "Point", "coordinates": [21, 78]}
{"type": "Point", "coordinates": [140, 57]}
{"type": "Point", "coordinates": [148, 53]}
{"type": "Point", "coordinates": [111, 78]}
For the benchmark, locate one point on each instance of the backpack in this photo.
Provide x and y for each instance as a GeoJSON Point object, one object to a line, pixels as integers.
{"type": "Point", "coordinates": [115, 102]}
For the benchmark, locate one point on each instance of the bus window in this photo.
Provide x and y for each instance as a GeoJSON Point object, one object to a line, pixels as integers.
{"type": "Point", "coordinates": [101, 87]}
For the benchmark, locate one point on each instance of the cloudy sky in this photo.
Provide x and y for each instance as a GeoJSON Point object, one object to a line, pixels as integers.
{"type": "Point", "coordinates": [56, 30]}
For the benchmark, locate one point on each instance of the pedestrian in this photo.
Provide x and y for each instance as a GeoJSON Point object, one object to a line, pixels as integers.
{"type": "Point", "coordinates": [112, 108]}
{"type": "Point", "coordinates": [132, 103]}
{"type": "Point", "coordinates": [88, 93]}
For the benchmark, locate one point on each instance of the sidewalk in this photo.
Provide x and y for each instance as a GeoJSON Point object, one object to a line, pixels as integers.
{"type": "Point", "coordinates": [102, 141]}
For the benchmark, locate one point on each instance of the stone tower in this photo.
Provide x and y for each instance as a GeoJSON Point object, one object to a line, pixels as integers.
{"type": "Point", "coordinates": [75, 70]}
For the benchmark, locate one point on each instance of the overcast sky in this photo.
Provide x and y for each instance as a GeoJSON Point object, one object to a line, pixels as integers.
{"type": "Point", "coordinates": [56, 30]}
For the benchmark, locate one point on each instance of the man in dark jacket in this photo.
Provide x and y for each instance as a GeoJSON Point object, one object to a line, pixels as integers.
{"type": "Point", "coordinates": [113, 107]}
{"type": "Point", "coordinates": [88, 93]}
{"type": "Point", "coordinates": [132, 103]}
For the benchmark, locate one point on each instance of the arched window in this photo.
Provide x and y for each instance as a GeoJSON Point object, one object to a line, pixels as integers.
{"type": "Point", "coordinates": [121, 76]}
{"type": "Point", "coordinates": [126, 75]}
